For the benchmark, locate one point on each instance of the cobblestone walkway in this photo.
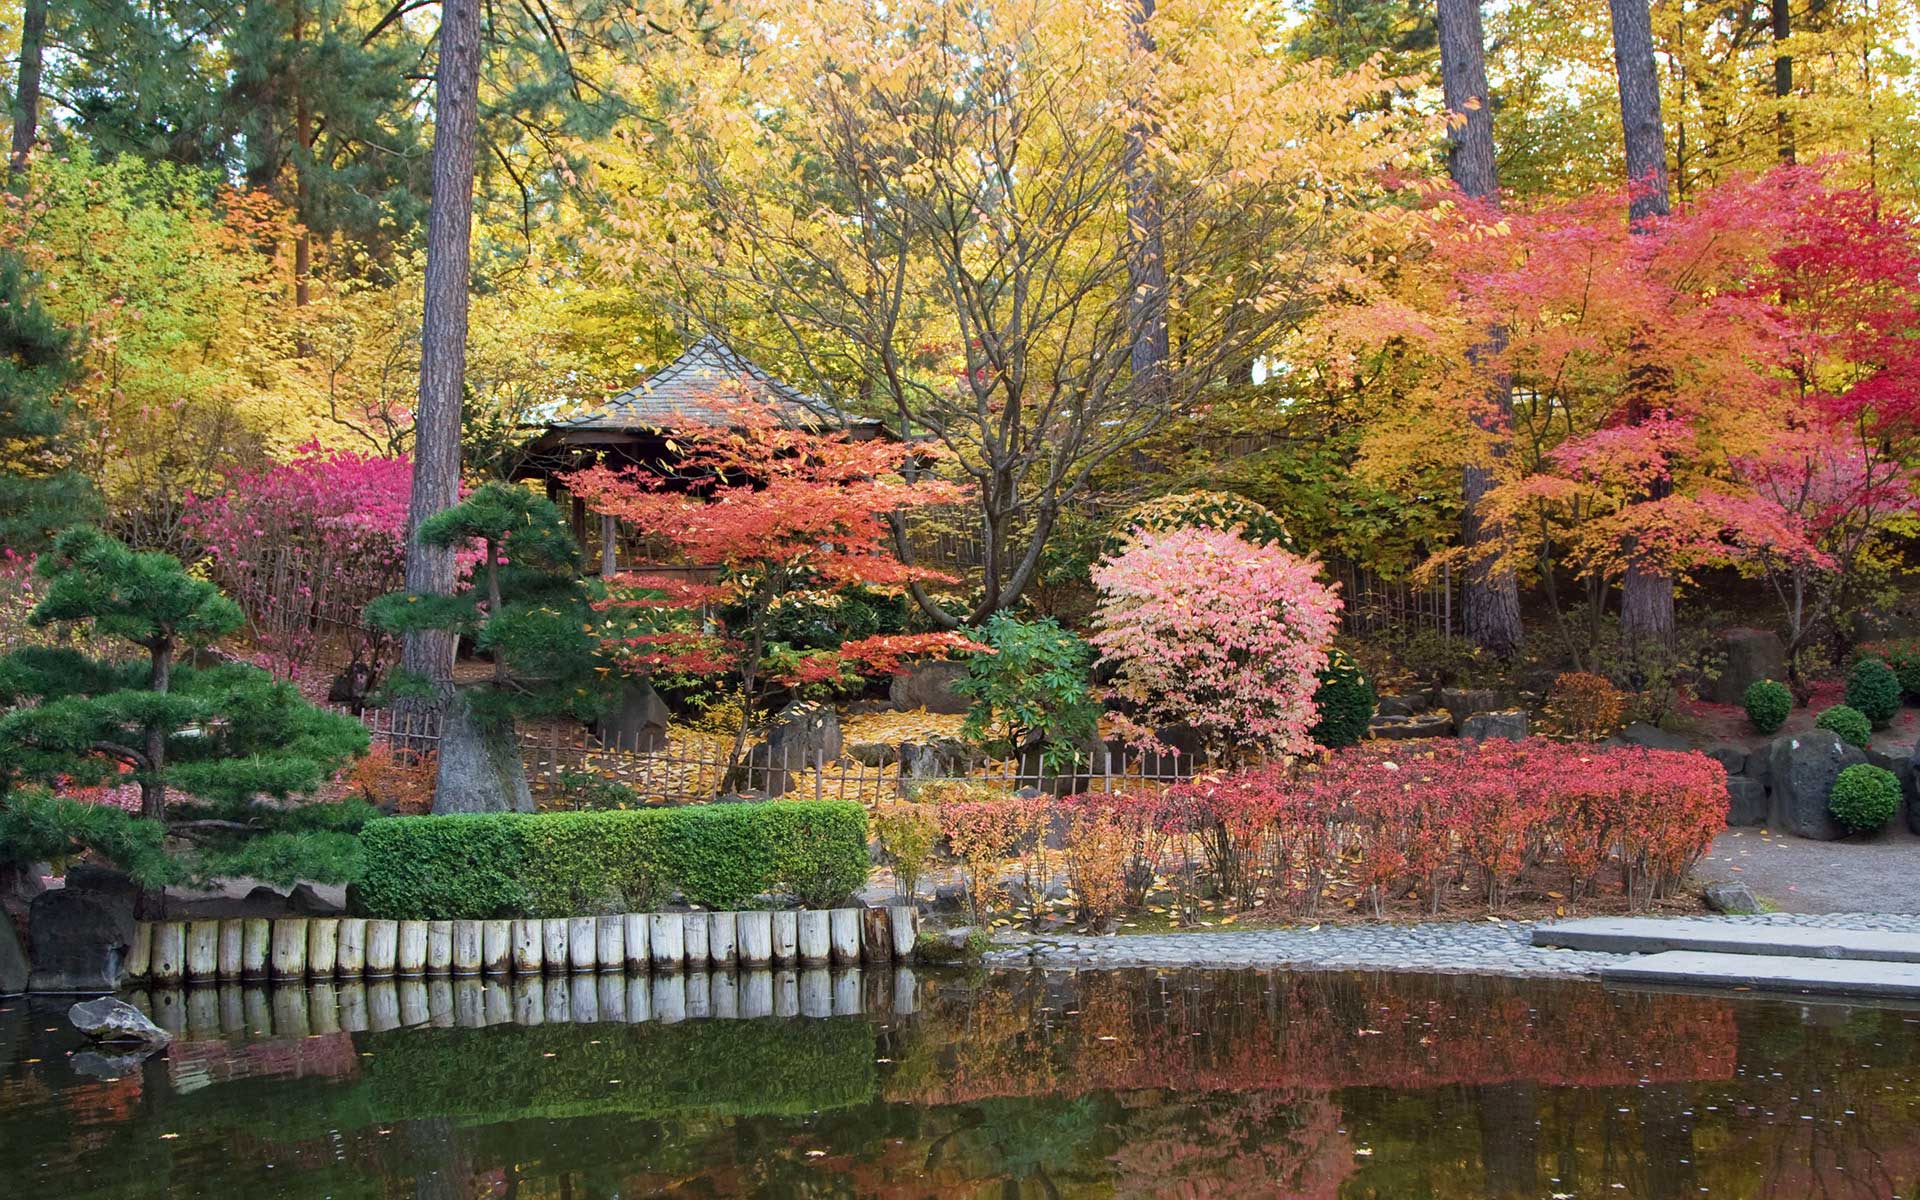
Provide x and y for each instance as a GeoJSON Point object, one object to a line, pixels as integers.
{"type": "Point", "coordinates": [1459, 948]}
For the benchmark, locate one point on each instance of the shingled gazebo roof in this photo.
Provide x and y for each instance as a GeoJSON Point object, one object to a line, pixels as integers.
{"type": "Point", "coordinates": [694, 389]}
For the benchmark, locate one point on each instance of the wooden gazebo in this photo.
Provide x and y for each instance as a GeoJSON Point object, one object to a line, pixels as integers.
{"type": "Point", "coordinates": [633, 428]}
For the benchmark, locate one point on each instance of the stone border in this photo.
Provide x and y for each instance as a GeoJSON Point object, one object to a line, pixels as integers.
{"type": "Point", "coordinates": [166, 953]}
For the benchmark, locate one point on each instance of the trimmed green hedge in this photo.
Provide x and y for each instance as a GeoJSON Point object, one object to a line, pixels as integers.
{"type": "Point", "coordinates": [567, 864]}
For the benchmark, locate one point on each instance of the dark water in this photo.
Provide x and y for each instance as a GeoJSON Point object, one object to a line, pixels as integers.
{"type": "Point", "coordinates": [1134, 1084]}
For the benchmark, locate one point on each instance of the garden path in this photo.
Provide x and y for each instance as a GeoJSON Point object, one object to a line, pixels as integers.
{"type": "Point", "coordinates": [1800, 876]}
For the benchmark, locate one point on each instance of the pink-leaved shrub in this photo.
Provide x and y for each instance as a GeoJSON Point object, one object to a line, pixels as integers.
{"type": "Point", "coordinates": [1205, 629]}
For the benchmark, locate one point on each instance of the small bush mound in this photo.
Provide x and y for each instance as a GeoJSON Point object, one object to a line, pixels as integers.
{"type": "Point", "coordinates": [1767, 704]}
{"type": "Point", "coordinates": [1864, 798]}
{"type": "Point", "coordinates": [1903, 655]}
{"type": "Point", "coordinates": [1346, 702]}
{"type": "Point", "coordinates": [1583, 706]}
{"type": "Point", "coordinates": [1874, 691]}
{"type": "Point", "coordinates": [1850, 723]}
{"type": "Point", "coordinates": [567, 864]}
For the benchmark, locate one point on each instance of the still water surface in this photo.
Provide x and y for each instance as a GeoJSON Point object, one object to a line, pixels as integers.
{"type": "Point", "coordinates": [943, 1084]}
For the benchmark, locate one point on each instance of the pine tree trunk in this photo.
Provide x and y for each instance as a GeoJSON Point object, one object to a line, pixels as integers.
{"type": "Point", "coordinates": [443, 332]}
{"type": "Point", "coordinates": [1492, 592]}
{"type": "Point", "coordinates": [1646, 592]}
{"type": "Point", "coordinates": [480, 767]}
{"type": "Point", "coordinates": [26, 95]}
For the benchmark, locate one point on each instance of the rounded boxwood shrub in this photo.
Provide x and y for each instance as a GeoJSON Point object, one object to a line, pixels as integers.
{"type": "Point", "coordinates": [1346, 702]}
{"type": "Point", "coordinates": [1874, 690]}
{"type": "Point", "coordinates": [1767, 704]}
{"type": "Point", "coordinates": [1864, 798]}
{"type": "Point", "coordinates": [1903, 655]}
{"type": "Point", "coordinates": [1850, 723]}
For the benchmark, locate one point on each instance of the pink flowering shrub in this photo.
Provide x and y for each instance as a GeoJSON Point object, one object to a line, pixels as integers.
{"type": "Point", "coordinates": [304, 545]}
{"type": "Point", "coordinates": [1208, 630]}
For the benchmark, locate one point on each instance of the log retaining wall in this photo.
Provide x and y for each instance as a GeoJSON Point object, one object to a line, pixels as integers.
{"type": "Point", "coordinates": [167, 953]}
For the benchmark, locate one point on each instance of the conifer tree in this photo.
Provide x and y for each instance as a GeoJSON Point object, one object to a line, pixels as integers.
{"type": "Point", "coordinates": [40, 491]}
{"type": "Point", "coordinates": [526, 608]}
{"type": "Point", "coordinates": [220, 753]}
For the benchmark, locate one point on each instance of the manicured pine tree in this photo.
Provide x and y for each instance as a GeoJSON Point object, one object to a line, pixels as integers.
{"type": "Point", "coordinates": [527, 610]}
{"type": "Point", "coordinates": [220, 753]}
{"type": "Point", "coordinates": [39, 491]}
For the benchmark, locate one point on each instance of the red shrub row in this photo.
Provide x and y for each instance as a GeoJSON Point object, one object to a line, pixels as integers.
{"type": "Point", "coordinates": [1401, 821]}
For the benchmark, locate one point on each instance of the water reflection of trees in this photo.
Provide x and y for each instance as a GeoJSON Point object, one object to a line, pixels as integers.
{"type": "Point", "coordinates": [1176, 1084]}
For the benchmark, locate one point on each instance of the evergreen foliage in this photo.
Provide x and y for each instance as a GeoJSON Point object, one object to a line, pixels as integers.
{"type": "Point", "coordinates": [40, 491]}
{"type": "Point", "coordinates": [1767, 703]}
{"type": "Point", "coordinates": [1850, 723]}
{"type": "Point", "coordinates": [1874, 689]}
{"type": "Point", "coordinates": [1034, 689]}
{"type": "Point", "coordinates": [217, 751]}
{"type": "Point", "coordinates": [1864, 798]}
{"type": "Point", "coordinates": [1346, 701]}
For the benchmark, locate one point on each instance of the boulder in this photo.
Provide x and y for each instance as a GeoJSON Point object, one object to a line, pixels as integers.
{"type": "Point", "coordinates": [937, 758]}
{"type": "Point", "coordinates": [874, 754]}
{"type": "Point", "coordinates": [1750, 656]}
{"type": "Point", "coordinates": [929, 685]}
{"type": "Point", "coordinates": [1511, 725]}
{"type": "Point", "coordinates": [306, 901]}
{"type": "Point", "coordinates": [1746, 801]}
{"type": "Point", "coordinates": [1804, 768]}
{"type": "Point", "coordinates": [1759, 766]}
{"type": "Point", "coordinates": [1733, 758]}
{"type": "Point", "coordinates": [1910, 789]}
{"type": "Point", "coordinates": [1422, 725]}
{"type": "Point", "coordinates": [1734, 899]}
{"type": "Point", "coordinates": [109, 1020]}
{"type": "Point", "coordinates": [264, 901]}
{"type": "Point", "coordinates": [1642, 734]}
{"type": "Point", "coordinates": [1465, 702]}
{"type": "Point", "coordinates": [1400, 706]}
{"type": "Point", "coordinates": [79, 939]}
{"type": "Point", "coordinates": [949, 897]}
{"type": "Point", "coordinates": [804, 734]}
{"type": "Point", "coordinates": [639, 723]}
{"type": "Point", "coordinates": [13, 959]}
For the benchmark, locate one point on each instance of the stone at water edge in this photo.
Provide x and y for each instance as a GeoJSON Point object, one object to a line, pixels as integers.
{"type": "Point", "coordinates": [109, 1020]}
{"type": "Point", "coordinates": [100, 1064]}
{"type": "Point", "coordinates": [79, 940]}
{"type": "Point", "coordinates": [1733, 899]}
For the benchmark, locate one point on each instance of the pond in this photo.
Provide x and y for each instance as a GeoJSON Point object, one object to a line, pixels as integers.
{"type": "Point", "coordinates": [949, 1084]}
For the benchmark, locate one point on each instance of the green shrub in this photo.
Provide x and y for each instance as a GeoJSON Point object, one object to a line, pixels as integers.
{"type": "Point", "coordinates": [1346, 701]}
{"type": "Point", "coordinates": [1903, 655]}
{"type": "Point", "coordinates": [1864, 798]}
{"type": "Point", "coordinates": [1038, 680]}
{"type": "Point", "coordinates": [565, 864]}
{"type": "Point", "coordinates": [1767, 704]}
{"type": "Point", "coordinates": [1850, 723]}
{"type": "Point", "coordinates": [1874, 690]}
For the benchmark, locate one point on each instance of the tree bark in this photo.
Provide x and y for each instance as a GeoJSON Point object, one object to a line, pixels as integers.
{"type": "Point", "coordinates": [480, 768]}
{"type": "Point", "coordinates": [1492, 592]}
{"type": "Point", "coordinates": [1646, 590]}
{"type": "Point", "coordinates": [1783, 78]}
{"type": "Point", "coordinates": [1146, 258]}
{"type": "Point", "coordinates": [26, 94]}
{"type": "Point", "coordinates": [443, 331]}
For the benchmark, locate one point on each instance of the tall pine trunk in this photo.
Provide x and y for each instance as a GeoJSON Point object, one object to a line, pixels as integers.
{"type": "Point", "coordinates": [1646, 589]}
{"type": "Point", "coordinates": [26, 93]}
{"type": "Point", "coordinates": [1492, 592]}
{"type": "Point", "coordinates": [443, 328]}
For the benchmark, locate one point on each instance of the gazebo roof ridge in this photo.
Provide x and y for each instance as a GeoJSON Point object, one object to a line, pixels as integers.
{"type": "Point", "coordinates": [686, 391]}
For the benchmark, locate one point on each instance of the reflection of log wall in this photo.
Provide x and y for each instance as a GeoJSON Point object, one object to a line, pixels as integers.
{"type": "Point", "coordinates": [316, 1010]}
{"type": "Point", "coordinates": [168, 953]}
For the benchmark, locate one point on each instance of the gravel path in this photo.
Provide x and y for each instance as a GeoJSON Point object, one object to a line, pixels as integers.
{"type": "Point", "coordinates": [1457, 948]}
{"type": "Point", "coordinates": [1800, 876]}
